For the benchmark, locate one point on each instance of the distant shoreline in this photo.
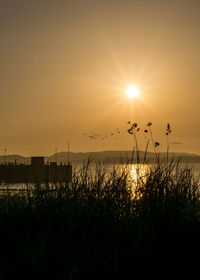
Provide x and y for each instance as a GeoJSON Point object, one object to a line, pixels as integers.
{"type": "Point", "coordinates": [103, 156]}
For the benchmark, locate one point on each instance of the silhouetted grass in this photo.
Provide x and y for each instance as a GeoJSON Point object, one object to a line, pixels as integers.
{"type": "Point", "coordinates": [102, 226]}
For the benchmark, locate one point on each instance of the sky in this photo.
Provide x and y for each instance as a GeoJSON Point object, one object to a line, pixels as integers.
{"type": "Point", "coordinates": [65, 67]}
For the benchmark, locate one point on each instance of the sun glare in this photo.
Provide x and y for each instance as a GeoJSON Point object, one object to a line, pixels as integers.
{"type": "Point", "coordinates": [132, 92]}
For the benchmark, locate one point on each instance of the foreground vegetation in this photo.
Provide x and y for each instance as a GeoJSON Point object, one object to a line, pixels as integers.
{"type": "Point", "coordinates": [99, 226]}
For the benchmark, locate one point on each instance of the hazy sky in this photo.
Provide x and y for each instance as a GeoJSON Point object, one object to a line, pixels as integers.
{"type": "Point", "coordinates": [65, 66]}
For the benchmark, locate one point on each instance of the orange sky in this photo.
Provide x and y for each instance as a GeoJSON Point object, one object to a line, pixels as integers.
{"type": "Point", "coordinates": [65, 66]}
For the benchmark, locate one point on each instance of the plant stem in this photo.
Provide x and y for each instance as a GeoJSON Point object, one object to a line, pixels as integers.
{"type": "Point", "coordinates": [137, 150]}
{"type": "Point", "coordinates": [145, 154]}
{"type": "Point", "coordinates": [153, 144]}
{"type": "Point", "coordinates": [167, 148]}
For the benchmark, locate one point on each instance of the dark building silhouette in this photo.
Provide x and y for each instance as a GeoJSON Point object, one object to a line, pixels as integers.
{"type": "Point", "coordinates": [36, 172]}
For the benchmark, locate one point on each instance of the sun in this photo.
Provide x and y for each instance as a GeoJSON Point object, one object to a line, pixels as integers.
{"type": "Point", "coordinates": [132, 92]}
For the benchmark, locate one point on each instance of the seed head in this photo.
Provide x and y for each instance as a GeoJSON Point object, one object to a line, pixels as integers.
{"type": "Point", "coordinates": [130, 131]}
{"type": "Point", "coordinates": [168, 129]}
{"type": "Point", "coordinates": [134, 125]}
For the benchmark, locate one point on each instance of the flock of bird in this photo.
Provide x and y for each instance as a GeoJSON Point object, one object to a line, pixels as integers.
{"type": "Point", "coordinates": [99, 136]}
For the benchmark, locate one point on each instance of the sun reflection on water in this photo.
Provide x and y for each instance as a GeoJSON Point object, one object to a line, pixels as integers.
{"type": "Point", "coordinates": [137, 174]}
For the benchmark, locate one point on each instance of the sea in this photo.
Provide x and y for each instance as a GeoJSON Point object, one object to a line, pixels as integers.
{"type": "Point", "coordinates": [134, 171]}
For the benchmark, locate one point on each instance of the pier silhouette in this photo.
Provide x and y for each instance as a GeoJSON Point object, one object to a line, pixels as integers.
{"type": "Point", "coordinates": [36, 172]}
